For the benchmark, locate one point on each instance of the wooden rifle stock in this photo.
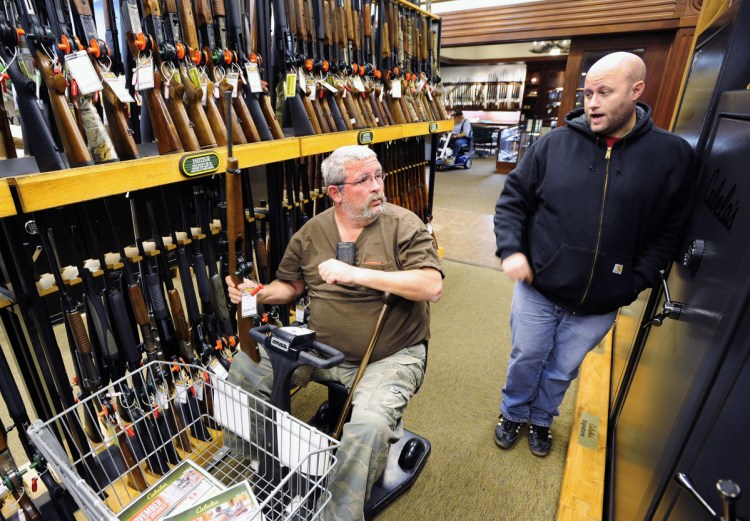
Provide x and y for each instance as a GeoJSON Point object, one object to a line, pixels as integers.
{"type": "Point", "coordinates": [75, 146]}
{"type": "Point", "coordinates": [187, 23]}
{"type": "Point", "coordinates": [236, 238]}
{"type": "Point", "coordinates": [7, 146]}
{"type": "Point", "coordinates": [122, 135]}
{"type": "Point", "coordinates": [246, 119]}
{"type": "Point", "coordinates": [177, 111]}
{"type": "Point", "coordinates": [193, 96]}
{"type": "Point", "coordinates": [214, 116]}
{"type": "Point", "coordinates": [136, 478]}
{"type": "Point", "coordinates": [236, 132]}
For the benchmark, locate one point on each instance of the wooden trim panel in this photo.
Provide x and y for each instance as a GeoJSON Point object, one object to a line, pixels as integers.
{"type": "Point", "coordinates": [6, 200]}
{"type": "Point", "coordinates": [563, 18]}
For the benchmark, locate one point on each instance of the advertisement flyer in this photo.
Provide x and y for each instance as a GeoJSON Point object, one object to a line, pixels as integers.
{"type": "Point", "coordinates": [237, 503]}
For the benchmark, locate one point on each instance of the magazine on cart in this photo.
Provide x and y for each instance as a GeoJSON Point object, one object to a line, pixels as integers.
{"type": "Point", "coordinates": [236, 503]}
{"type": "Point", "coordinates": [184, 486]}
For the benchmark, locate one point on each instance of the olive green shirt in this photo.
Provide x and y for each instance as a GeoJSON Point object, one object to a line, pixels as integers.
{"type": "Point", "coordinates": [344, 317]}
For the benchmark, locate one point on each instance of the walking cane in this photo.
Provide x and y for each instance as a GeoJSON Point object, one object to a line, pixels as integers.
{"type": "Point", "coordinates": [387, 299]}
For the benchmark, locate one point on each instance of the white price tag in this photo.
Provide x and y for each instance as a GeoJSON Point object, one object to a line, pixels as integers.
{"type": "Point", "coordinates": [80, 68]}
{"type": "Point", "coordinates": [253, 77]}
{"type": "Point", "coordinates": [301, 80]}
{"type": "Point", "coordinates": [357, 82]}
{"type": "Point", "coordinates": [429, 93]}
{"type": "Point", "coordinates": [218, 370]}
{"type": "Point", "coordinates": [382, 95]}
{"type": "Point", "coordinates": [299, 313]}
{"type": "Point", "coordinates": [198, 387]}
{"type": "Point", "coordinates": [330, 87]}
{"type": "Point", "coordinates": [311, 89]}
{"type": "Point", "coordinates": [421, 84]}
{"type": "Point", "coordinates": [233, 78]}
{"type": "Point", "coordinates": [162, 400]}
{"type": "Point", "coordinates": [118, 86]}
{"type": "Point", "coordinates": [396, 89]}
{"type": "Point", "coordinates": [203, 99]}
{"type": "Point", "coordinates": [249, 304]}
{"type": "Point", "coordinates": [181, 391]}
{"type": "Point", "coordinates": [144, 74]}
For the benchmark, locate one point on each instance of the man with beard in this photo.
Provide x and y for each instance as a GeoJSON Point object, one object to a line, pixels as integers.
{"type": "Point", "coordinates": [394, 253]}
{"type": "Point", "coordinates": [583, 225]}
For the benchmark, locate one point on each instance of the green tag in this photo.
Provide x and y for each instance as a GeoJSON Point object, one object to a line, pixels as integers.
{"type": "Point", "coordinates": [194, 76]}
{"type": "Point", "coordinates": [290, 85]}
{"type": "Point", "coordinates": [433, 127]}
{"type": "Point", "coordinates": [192, 165]}
{"type": "Point", "coordinates": [365, 137]}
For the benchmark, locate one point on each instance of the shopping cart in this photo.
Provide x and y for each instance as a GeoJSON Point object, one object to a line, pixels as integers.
{"type": "Point", "coordinates": [165, 413]}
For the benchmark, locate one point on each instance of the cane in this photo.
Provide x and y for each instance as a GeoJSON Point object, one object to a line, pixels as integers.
{"type": "Point", "coordinates": [387, 299]}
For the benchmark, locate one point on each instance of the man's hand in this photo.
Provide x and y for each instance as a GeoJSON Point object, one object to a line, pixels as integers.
{"type": "Point", "coordinates": [336, 272]}
{"type": "Point", "coordinates": [235, 292]}
{"type": "Point", "coordinates": [517, 267]}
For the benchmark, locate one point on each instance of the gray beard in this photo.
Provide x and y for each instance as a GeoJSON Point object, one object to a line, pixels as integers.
{"type": "Point", "coordinates": [367, 215]}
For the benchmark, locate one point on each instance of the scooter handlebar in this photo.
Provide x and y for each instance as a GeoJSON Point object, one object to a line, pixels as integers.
{"type": "Point", "coordinates": [310, 356]}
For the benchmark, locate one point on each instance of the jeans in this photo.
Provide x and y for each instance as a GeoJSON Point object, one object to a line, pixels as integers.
{"type": "Point", "coordinates": [548, 347]}
{"type": "Point", "coordinates": [457, 144]}
{"type": "Point", "coordinates": [378, 405]}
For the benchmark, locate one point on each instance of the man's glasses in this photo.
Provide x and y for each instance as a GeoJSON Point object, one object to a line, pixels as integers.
{"type": "Point", "coordinates": [379, 177]}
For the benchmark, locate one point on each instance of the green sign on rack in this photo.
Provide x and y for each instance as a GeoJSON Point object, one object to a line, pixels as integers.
{"type": "Point", "coordinates": [365, 137]}
{"type": "Point", "coordinates": [192, 165]}
{"type": "Point", "coordinates": [433, 127]}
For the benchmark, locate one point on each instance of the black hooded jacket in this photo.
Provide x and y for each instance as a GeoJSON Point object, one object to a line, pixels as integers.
{"type": "Point", "coordinates": [595, 223]}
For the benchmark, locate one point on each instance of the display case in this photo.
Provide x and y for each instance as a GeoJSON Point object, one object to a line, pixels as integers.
{"type": "Point", "coordinates": [508, 146]}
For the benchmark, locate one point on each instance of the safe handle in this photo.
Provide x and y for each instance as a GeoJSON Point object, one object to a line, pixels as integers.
{"type": "Point", "coordinates": [728, 490]}
{"type": "Point", "coordinates": [671, 309]}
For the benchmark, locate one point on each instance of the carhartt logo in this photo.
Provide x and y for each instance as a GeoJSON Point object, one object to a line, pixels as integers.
{"type": "Point", "coordinates": [617, 269]}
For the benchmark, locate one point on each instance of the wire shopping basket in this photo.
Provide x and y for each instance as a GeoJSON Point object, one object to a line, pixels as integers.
{"type": "Point", "coordinates": [112, 450]}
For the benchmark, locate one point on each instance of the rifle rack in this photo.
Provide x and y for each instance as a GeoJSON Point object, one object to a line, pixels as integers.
{"type": "Point", "coordinates": [52, 189]}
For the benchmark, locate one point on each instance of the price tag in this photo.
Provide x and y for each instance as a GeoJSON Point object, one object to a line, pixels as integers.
{"type": "Point", "coordinates": [80, 68]}
{"type": "Point", "coordinates": [218, 370]}
{"type": "Point", "coordinates": [311, 89]}
{"type": "Point", "coordinates": [117, 83]}
{"type": "Point", "coordinates": [198, 387]}
{"type": "Point", "coordinates": [421, 84]}
{"type": "Point", "coordinates": [233, 78]}
{"type": "Point", "coordinates": [357, 82]}
{"type": "Point", "coordinates": [429, 93]}
{"type": "Point", "coordinates": [249, 304]}
{"type": "Point", "coordinates": [253, 77]}
{"type": "Point", "coordinates": [181, 391]}
{"type": "Point", "coordinates": [396, 89]}
{"type": "Point", "coordinates": [382, 95]}
{"type": "Point", "coordinates": [330, 87]}
{"type": "Point", "coordinates": [299, 313]}
{"type": "Point", "coordinates": [301, 80]}
{"type": "Point", "coordinates": [204, 88]}
{"type": "Point", "coordinates": [290, 85]}
{"type": "Point", "coordinates": [144, 74]}
{"type": "Point", "coordinates": [162, 400]}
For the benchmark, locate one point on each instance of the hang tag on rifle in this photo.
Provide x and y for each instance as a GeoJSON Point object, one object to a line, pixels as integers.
{"type": "Point", "coordinates": [290, 85]}
{"type": "Point", "coordinates": [198, 387]}
{"type": "Point", "coordinates": [144, 74]}
{"type": "Point", "coordinates": [421, 84]}
{"type": "Point", "coordinates": [396, 89]}
{"type": "Point", "coordinates": [312, 89]}
{"type": "Point", "coordinates": [204, 88]}
{"type": "Point", "coordinates": [249, 304]}
{"type": "Point", "coordinates": [357, 82]}
{"type": "Point", "coordinates": [181, 391]}
{"type": "Point", "coordinates": [217, 369]}
{"type": "Point", "coordinates": [429, 93]}
{"type": "Point", "coordinates": [329, 86]}
{"type": "Point", "coordinates": [80, 68]}
{"type": "Point", "coordinates": [117, 83]}
{"type": "Point", "coordinates": [162, 400]}
{"type": "Point", "coordinates": [253, 78]}
{"type": "Point", "coordinates": [233, 78]}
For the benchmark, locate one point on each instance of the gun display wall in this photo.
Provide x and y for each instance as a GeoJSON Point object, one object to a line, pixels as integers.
{"type": "Point", "coordinates": [114, 254]}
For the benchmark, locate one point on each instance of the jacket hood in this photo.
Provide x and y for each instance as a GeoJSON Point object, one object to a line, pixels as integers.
{"type": "Point", "coordinates": [576, 119]}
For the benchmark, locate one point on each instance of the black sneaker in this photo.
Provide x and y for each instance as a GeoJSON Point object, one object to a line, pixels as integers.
{"type": "Point", "coordinates": [506, 432]}
{"type": "Point", "coordinates": [540, 440]}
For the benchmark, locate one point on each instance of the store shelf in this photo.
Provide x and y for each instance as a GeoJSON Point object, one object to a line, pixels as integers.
{"type": "Point", "coordinates": [53, 189]}
{"type": "Point", "coordinates": [7, 207]}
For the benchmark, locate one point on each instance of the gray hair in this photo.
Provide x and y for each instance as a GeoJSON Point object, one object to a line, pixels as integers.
{"type": "Point", "coordinates": [334, 166]}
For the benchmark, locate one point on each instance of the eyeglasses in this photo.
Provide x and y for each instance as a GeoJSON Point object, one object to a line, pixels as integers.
{"type": "Point", "coordinates": [379, 177]}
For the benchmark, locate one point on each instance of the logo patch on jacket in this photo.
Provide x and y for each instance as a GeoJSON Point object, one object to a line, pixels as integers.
{"type": "Point", "coordinates": [617, 269]}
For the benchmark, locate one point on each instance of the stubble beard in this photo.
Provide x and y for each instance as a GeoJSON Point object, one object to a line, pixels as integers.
{"type": "Point", "coordinates": [365, 215]}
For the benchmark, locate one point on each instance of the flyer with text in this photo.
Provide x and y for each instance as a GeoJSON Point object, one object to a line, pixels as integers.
{"type": "Point", "coordinates": [237, 503]}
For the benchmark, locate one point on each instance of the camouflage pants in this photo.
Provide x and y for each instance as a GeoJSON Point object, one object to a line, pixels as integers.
{"type": "Point", "coordinates": [378, 405]}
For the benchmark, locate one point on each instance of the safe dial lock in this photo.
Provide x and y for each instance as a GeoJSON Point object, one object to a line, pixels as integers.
{"type": "Point", "coordinates": [693, 255]}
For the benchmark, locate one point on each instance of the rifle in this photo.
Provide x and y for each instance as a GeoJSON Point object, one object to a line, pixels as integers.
{"type": "Point", "coordinates": [155, 118]}
{"type": "Point", "coordinates": [88, 376]}
{"type": "Point", "coordinates": [40, 41]}
{"type": "Point", "coordinates": [236, 239]}
{"type": "Point", "coordinates": [131, 400]}
{"type": "Point", "coordinates": [7, 146]}
{"type": "Point", "coordinates": [10, 476]}
{"type": "Point", "coordinates": [99, 51]}
{"type": "Point", "coordinates": [285, 48]}
{"type": "Point", "coordinates": [188, 412]}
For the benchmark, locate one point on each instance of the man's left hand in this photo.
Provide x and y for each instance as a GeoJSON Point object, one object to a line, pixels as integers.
{"type": "Point", "coordinates": [336, 272]}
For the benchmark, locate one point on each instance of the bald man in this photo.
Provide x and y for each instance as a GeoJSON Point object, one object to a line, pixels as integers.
{"type": "Point", "coordinates": [583, 225]}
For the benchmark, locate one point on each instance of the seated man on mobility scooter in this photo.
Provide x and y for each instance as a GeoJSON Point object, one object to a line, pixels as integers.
{"type": "Point", "coordinates": [394, 253]}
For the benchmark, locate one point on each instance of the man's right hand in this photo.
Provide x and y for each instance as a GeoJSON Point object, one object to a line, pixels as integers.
{"type": "Point", "coordinates": [517, 267]}
{"type": "Point", "coordinates": [235, 292]}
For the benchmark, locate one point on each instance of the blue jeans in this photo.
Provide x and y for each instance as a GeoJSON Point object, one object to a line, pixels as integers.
{"type": "Point", "coordinates": [457, 144]}
{"type": "Point", "coordinates": [549, 345]}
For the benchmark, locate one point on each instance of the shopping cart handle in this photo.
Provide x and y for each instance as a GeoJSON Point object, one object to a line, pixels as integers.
{"type": "Point", "coordinates": [297, 344]}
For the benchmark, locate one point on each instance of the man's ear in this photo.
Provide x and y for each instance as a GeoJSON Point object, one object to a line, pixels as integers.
{"type": "Point", "coordinates": [637, 89]}
{"type": "Point", "coordinates": [334, 192]}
